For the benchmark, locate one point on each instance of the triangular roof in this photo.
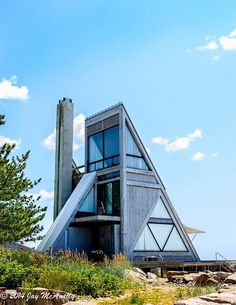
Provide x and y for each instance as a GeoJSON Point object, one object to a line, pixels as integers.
{"type": "Point", "coordinates": [170, 208]}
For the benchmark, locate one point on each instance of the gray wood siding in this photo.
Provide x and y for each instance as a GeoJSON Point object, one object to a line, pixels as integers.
{"type": "Point", "coordinates": [139, 202]}
{"type": "Point", "coordinates": [141, 178]}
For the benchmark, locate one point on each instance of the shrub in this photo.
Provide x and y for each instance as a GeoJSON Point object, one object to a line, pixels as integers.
{"type": "Point", "coordinates": [12, 274]}
{"type": "Point", "coordinates": [136, 299]}
{"type": "Point", "coordinates": [67, 271]}
{"type": "Point", "coordinates": [84, 280]}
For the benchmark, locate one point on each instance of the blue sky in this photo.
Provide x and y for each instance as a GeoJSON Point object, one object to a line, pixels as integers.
{"type": "Point", "coordinates": [172, 63]}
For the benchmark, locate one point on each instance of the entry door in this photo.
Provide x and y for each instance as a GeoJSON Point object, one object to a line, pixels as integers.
{"type": "Point", "coordinates": [107, 239]}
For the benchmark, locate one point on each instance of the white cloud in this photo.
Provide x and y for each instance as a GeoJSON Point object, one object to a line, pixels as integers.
{"type": "Point", "coordinates": [43, 194]}
{"type": "Point", "coordinates": [228, 43]}
{"type": "Point", "coordinates": [179, 143]}
{"type": "Point", "coordinates": [78, 129]}
{"type": "Point", "coordinates": [9, 90]}
{"type": "Point", "coordinates": [198, 156]}
{"type": "Point", "coordinates": [4, 140]}
{"type": "Point", "coordinates": [215, 58]}
{"type": "Point", "coordinates": [50, 141]}
{"type": "Point", "coordinates": [160, 141]}
{"type": "Point", "coordinates": [212, 45]}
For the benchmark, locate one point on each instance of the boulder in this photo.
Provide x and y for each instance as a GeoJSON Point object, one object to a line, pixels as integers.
{"type": "Point", "coordinates": [221, 276]}
{"type": "Point", "coordinates": [151, 276]}
{"type": "Point", "coordinates": [189, 278]}
{"type": "Point", "coordinates": [177, 279]}
{"type": "Point", "coordinates": [197, 301]}
{"type": "Point", "coordinates": [138, 270]}
{"type": "Point", "coordinates": [170, 274]}
{"type": "Point", "coordinates": [205, 279]}
{"type": "Point", "coordinates": [231, 279]}
{"type": "Point", "coordinates": [223, 298]}
{"type": "Point", "coordinates": [135, 276]}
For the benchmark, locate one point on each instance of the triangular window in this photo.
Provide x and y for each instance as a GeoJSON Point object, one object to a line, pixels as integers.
{"type": "Point", "coordinates": [88, 205]}
{"type": "Point", "coordinates": [134, 157]}
{"type": "Point", "coordinates": [146, 241]}
{"type": "Point", "coordinates": [131, 147]}
{"type": "Point", "coordinates": [161, 232]}
{"type": "Point", "coordinates": [160, 210]}
{"type": "Point", "coordinates": [175, 242]}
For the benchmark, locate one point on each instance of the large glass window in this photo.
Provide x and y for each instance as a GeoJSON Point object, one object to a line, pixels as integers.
{"type": "Point", "coordinates": [103, 150]}
{"type": "Point", "coordinates": [109, 198]}
{"type": "Point", "coordinates": [111, 142]}
{"type": "Point", "coordinates": [134, 158]}
{"type": "Point", "coordinates": [146, 241]}
{"type": "Point", "coordinates": [160, 237]}
{"type": "Point", "coordinates": [96, 147]}
{"type": "Point", "coordinates": [88, 205]}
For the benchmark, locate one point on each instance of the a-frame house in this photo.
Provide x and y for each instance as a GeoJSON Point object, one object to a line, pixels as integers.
{"type": "Point", "coordinates": [120, 203]}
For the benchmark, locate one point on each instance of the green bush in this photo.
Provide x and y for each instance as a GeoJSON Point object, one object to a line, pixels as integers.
{"type": "Point", "coordinates": [89, 280]}
{"type": "Point", "coordinates": [12, 274]}
{"type": "Point", "coordinates": [69, 272]}
{"type": "Point", "coordinates": [136, 299]}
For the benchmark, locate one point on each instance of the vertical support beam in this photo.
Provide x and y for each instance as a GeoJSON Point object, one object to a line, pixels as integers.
{"type": "Point", "coordinates": [63, 162]}
{"type": "Point", "coordinates": [123, 184]}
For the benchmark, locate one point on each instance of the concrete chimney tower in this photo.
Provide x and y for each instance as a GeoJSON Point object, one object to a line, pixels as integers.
{"type": "Point", "coordinates": [64, 148]}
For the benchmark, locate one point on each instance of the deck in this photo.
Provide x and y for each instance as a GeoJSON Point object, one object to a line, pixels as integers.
{"type": "Point", "coordinates": [162, 267]}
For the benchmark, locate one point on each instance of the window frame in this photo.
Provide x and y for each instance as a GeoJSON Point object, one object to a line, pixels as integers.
{"type": "Point", "coordinates": [103, 160]}
{"type": "Point", "coordinates": [111, 181]}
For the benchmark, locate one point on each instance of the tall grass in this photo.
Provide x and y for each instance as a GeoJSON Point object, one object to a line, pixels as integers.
{"type": "Point", "coordinates": [66, 270]}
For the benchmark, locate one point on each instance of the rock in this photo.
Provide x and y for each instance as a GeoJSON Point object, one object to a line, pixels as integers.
{"type": "Point", "coordinates": [231, 279]}
{"type": "Point", "coordinates": [177, 279]}
{"type": "Point", "coordinates": [205, 279]}
{"type": "Point", "coordinates": [151, 276]}
{"type": "Point", "coordinates": [153, 282]}
{"type": "Point", "coordinates": [189, 278]}
{"type": "Point", "coordinates": [227, 298]}
{"type": "Point", "coordinates": [221, 276]}
{"type": "Point", "coordinates": [138, 270]}
{"type": "Point", "coordinates": [227, 288]}
{"type": "Point", "coordinates": [170, 274]}
{"type": "Point", "coordinates": [223, 298]}
{"type": "Point", "coordinates": [135, 276]}
{"type": "Point", "coordinates": [197, 302]}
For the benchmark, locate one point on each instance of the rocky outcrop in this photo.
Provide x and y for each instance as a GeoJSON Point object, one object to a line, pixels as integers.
{"type": "Point", "coordinates": [152, 278]}
{"type": "Point", "coordinates": [227, 297]}
{"type": "Point", "coordinates": [171, 275]}
{"type": "Point", "coordinates": [205, 279]}
{"type": "Point", "coordinates": [137, 274]}
{"type": "Point", "coordinates": [202, 278]}
{"type": "Point", "coordinates": [231, 279]}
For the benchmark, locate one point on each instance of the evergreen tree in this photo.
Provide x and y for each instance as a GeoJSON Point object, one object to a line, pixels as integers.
{"type": "Point", "coordinates": [20, 214]}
